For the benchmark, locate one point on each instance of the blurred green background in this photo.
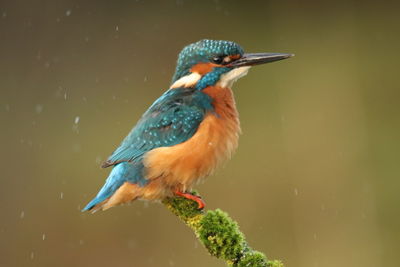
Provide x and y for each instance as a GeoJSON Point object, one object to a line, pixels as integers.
{"type": "Point", "coordinates": [315, 181]}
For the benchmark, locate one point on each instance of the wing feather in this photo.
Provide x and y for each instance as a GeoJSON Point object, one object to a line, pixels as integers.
{"type": "Point", "coordinates": [171, 120]}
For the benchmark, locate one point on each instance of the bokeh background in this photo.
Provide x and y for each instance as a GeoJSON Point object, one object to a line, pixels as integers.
{"type": "Point", "coordinates": [315, 181]}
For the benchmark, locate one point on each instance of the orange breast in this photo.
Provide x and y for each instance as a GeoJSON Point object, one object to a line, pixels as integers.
{"type": "Point", "coordinates": [216, 139]}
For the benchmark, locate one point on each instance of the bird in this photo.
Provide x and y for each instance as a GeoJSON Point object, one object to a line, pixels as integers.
{"type": "Point", "coordinates": [186, 133]}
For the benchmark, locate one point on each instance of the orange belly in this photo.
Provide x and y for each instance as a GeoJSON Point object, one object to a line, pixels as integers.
{"type": "Point", "coordinates": [183, 165]}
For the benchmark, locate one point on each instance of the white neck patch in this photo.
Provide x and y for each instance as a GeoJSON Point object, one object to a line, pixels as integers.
{"type": "Point", "coordinates": [227, 79]}
{"type": "Point", "coordinates": [187, 81]}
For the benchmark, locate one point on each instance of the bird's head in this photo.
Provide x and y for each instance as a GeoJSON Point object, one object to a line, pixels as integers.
{"type": "Point", "coordinates": [213, 62]}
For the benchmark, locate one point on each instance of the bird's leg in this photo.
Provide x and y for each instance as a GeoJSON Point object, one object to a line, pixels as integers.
{"type": "Point", "coordinates": [199, 201]}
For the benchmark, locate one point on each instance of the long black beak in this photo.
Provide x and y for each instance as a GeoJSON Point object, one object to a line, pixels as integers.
{"type": "Point", "coordinates": [259, 58]}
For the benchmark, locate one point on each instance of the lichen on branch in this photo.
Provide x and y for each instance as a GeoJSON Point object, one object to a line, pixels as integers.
{"type": "Point", "coordinates": [219, 234]}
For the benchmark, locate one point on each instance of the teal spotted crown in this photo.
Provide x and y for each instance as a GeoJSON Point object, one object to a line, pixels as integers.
{"type": "Point", "coordinates": [203, 51]}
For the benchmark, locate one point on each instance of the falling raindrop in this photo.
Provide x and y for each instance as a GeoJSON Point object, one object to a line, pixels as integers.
{"type": "Point", "coordinates": [65, 95]}
{"type": "Point", "coordinates": [296, 192]}
{"type": "Point", "coordinates": [61, 195]}
{"type": "Point", "coordinates": [32, 255]}
{"type": "Point", "coordinates": [38, 108]}
{"type": "Point", "coordinates": [68, 12]}
{"type": "Point", "coordinates": [43, 237]}
{"type": "Point", "coordinates": [75, 127]}
{"type": "Point", "coordinates": [22, 215]}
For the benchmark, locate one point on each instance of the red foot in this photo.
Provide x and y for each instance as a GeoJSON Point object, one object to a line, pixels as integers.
{"type": "Point", "coordinates": [199, 201]}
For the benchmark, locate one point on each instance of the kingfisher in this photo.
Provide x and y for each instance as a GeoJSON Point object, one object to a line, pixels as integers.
{"type": "Point", "coordinates": [186, 133]}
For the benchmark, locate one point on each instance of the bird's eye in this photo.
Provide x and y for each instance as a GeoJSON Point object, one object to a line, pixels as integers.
{"type": "Point", "coordinates": [218, 59]}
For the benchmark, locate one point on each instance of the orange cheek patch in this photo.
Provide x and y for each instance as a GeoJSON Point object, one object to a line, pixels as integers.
{"type": "Point", "coordinates": [203, 68]}
{"type": "Point", "coordinates": [235, 56]}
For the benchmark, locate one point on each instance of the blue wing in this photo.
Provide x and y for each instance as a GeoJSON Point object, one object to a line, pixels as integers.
{"type": "Point", "coordinates": [171, 120]}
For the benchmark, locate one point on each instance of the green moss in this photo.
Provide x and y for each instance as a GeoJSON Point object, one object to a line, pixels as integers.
{"type": "Point", "coordinates": [182, 207]}
{"type": "Point", "coordinates": [275, 263]}
{"type": "Point", "coordinates": [219, 234]}
{"type": "Point", "coordinates": [252, 259]}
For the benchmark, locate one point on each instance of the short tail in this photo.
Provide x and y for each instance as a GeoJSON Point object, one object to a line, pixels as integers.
{"type": "Point", "coordinates": [95, 204]}
{"type": "Point", "coordinates": [113, 182]}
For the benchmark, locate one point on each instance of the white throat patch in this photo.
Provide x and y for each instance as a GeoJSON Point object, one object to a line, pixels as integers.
{"type": "Point", "coordinates": [226, 80]}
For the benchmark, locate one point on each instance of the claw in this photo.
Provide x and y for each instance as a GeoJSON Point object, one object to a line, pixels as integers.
{"type": "Point", "coordinates": [199, 201]}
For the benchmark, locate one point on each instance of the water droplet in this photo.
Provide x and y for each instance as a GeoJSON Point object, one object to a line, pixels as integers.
{"type": "Point", "coordinates": [43, 237]}
{"type": "Point", "coordinates": [38, 108]}
{"type": "Point", "coordinates": [61, 195]}
{"type": "Point", "coordinates": [296, 192]}
{"type": "Point", "coordinates": [22, 215]}
{"type": "Point", "coordinates": [117, 28]}
{"type": "Point", "coordinates": [77, 118]}
{"type": "Point", "coordinates": [32, 255]}
{"type": "Point", "coordinates": [68, 12]}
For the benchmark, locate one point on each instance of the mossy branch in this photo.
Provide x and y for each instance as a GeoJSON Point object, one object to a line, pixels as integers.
{"type": "Point", "coordinates": [219, 234]}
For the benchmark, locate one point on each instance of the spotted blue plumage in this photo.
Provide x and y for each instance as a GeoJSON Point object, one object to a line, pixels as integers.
{"type": "Point", "coordinates": [211, 78]}
{"type": "Point", "coordinates": [203, 51]}
{"type": "Point", "coordinates": [171, 120]}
